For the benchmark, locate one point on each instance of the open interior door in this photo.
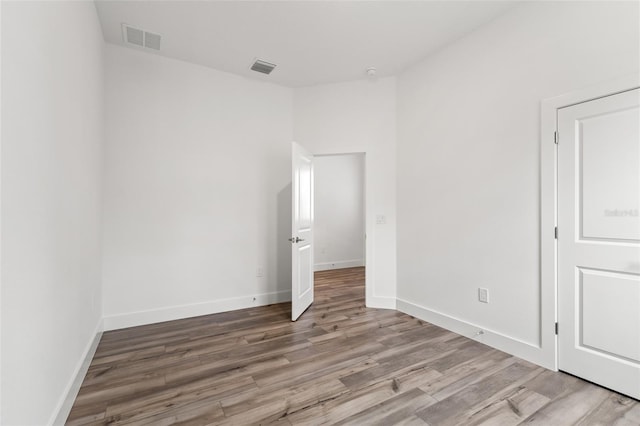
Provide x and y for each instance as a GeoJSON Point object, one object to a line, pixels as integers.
{"type": "Point", "coordinates": [302, 231]}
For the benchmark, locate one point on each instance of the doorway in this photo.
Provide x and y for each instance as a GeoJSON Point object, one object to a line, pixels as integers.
{"type": "Point", "coordinates": [339, 244]}
{"type": "Point", "coordinates": [331, 187]}
{"type": "Point", "coordinates": [339, 212]}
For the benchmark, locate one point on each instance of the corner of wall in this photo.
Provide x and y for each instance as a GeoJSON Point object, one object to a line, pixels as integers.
{"type": "Point", "coordinates": [70, 393]}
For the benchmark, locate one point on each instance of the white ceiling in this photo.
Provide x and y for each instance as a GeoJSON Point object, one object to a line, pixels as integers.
{"type": "Point", "coordinates": [312, 42]}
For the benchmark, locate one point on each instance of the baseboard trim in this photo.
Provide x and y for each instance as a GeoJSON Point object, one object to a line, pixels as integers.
{"type": "Point", "coordinates": [525, 350]}
{"type": "Point", "coordinates": [381, 302]}
{"type": "Point", "coordinates": [340, 264]}
{"type": "Point", "coordinates": [60, 414]}
{"type": "Point", "coordinates": [133, 319]}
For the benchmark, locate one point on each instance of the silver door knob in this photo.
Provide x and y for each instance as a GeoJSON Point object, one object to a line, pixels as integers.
{"type": "Point", "coordinates": [296, 239]}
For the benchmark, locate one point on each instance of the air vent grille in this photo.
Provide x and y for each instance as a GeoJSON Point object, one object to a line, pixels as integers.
{"type": "Point", "coordinates": [152, 41]}
{"type": "Point", "coordinates": [141, 38]}
{"type": "Point", "coordinates": [263, 67]}
{"type": "Point", "coordinates": [135, 36]}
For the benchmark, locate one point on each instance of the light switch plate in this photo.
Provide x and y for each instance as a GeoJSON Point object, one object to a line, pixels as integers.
{"type": "Point", "coordinates": [483, 295]}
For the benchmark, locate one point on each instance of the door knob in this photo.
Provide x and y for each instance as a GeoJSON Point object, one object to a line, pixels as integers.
{"type": "Point", "coordinates": [296, 239]}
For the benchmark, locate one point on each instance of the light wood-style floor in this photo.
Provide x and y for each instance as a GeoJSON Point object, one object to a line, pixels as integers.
{"type": "Point", "coordinates": [341, 363]}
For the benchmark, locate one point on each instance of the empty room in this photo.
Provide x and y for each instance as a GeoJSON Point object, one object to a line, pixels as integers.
{"type": "Point", "coordinates": [319, 212]}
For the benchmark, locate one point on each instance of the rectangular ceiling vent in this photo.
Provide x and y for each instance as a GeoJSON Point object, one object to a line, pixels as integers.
{"type": "Point", "coordinates": [262, 66]}
{"type": "Point", "coordinates": [141, 38]}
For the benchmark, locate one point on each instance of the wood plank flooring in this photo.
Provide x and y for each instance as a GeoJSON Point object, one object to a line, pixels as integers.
{"type": "Point", "coordinates": [341, 363]}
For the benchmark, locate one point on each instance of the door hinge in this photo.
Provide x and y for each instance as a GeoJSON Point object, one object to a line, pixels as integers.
{"type": "Point", "coordinates": [555, 232]}
{"type": "Point", "coordinates": [555, 137]}
{"type": "Point", "coordinates": [556, 328]}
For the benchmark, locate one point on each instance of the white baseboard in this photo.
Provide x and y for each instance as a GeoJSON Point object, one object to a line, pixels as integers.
{"type": "Point", "coordinates": [133, 319]}
{"type": "Point", "coordinates": [525, 350]}
{"type": "Point", "coordinates": [381, 302]}
{"type": "Point", "coordinates": [60, 414]}
{"type": "Point", "coordinates": [338, 264]}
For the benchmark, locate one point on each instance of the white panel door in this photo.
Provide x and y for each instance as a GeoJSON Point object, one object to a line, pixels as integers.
{"type": "Point", "coordinates": [599, 241]}
{"type": "Point", "coordinates": [302, 231]}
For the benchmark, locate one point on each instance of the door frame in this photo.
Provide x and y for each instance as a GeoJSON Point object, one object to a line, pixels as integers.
{"type": "Point", "coordinates": [549, 205]}
{"type": "Point", "coordinates": [371, 299]}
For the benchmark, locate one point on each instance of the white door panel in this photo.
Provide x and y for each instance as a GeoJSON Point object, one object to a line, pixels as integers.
{"type": "Point", "coordinates": [599, 241]}
{"type": "Point", "coordinates": [301, 230]}
{"type": "Point", "coordinates": [610, 183]}
{"type": "Point", "coordinates": [602, 312]}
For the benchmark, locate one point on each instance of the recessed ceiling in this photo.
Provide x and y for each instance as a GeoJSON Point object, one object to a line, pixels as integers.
{"type": "Point", "coordinates": [312, 42]}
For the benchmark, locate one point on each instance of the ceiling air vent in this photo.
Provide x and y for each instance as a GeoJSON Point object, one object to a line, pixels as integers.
{"type": "Point", "coordinates": [262, 66]}
{"type": "Point", "coordinates": [140, 38]}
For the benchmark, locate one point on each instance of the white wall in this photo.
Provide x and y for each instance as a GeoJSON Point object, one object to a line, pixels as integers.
{"type": "Point", "coordinates": [339, 211]}
{"type": "Point", "coordinates": [468, 161]}
{"type": "Point", "coordinates": [360, 116]}
{"type": "Point", "coordinates": [52, 127]}
{"type": "Point", "coordinates": [197, 190]}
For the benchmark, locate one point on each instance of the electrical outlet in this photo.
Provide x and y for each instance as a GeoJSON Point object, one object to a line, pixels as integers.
{"type": "Point", "coordinates": [483, 295]}
{"type": "Point", "coordinates": [259, 271]}
{"type": "Point", "coordinates": [381, 219]}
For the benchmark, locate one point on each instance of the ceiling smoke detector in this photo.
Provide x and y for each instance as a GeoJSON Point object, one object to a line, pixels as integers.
{"type": "Point", "coordinates": [140, 38]}
{"type": "Point", "coordinates": [262, 66]}
{"type": "Point", "coordinates": [371, 72]}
